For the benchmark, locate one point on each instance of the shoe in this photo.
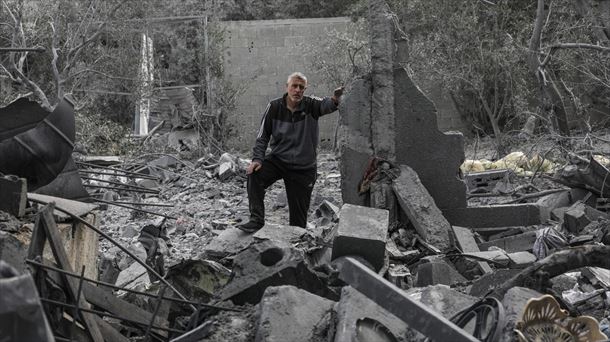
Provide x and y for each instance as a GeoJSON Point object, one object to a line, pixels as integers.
{"type": "Point", "coordinates": [250, 227]}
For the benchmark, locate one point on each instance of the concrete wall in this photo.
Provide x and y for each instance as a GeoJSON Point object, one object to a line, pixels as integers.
{"type": "Point", "coordinates": [259, 56]}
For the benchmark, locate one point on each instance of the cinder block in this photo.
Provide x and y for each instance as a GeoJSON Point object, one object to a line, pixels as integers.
{"type": "Point", "coordinates": [288, 313]}
{"type": "Point", "coordinates": [355, 310]}
{"type": "Point", "coordinates": [363, 232]}
{"type": "Point", "coordinates": [270, 263]}
{"type": "Point", "coordinates": [511, 244]}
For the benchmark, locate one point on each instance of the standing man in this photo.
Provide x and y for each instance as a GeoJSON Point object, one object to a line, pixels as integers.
{"type": "Point", "coordinates": [291, 123]}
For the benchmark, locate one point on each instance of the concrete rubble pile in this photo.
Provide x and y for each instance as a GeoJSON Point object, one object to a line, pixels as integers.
{"type": "Point", "coordinates": [394, 251]}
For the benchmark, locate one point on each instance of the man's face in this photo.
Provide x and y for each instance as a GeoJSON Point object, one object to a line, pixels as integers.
{"type": "Point", "coordinates": [295, 89]}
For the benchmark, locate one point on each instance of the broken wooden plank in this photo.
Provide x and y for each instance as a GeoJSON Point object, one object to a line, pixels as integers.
{"type": "Point", "coordinates": [55, 242]}
{"type": "Point", "coordinates": [75, 207]}
{"type": "Point", "coordinates": [517, 243]}
{"type": "Point", "coordinates": [465, 240]}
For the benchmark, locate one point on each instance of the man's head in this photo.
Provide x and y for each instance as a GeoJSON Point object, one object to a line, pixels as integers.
{"type": "Point", "coordinates": [295, 87]}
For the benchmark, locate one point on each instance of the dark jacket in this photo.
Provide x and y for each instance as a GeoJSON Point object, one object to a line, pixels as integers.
{"type": "Point", "coordinates": [294, 135]}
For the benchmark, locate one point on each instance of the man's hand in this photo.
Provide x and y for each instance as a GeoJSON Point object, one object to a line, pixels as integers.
{"type": "Point", "coordinates": [254, 166]}
{"type": "Point", "coordinates": [337, 94]}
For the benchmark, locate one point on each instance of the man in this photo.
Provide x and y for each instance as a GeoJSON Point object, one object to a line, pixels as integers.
{"type": "Point", "coordinates": [291, 123]}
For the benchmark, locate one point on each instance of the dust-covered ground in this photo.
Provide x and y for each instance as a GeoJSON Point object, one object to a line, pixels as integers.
{"type": "Point", "coordinates": [204, 206]}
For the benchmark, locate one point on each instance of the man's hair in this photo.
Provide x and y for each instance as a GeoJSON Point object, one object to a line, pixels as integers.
{"type": "Point", "coordinates": [298, 75]}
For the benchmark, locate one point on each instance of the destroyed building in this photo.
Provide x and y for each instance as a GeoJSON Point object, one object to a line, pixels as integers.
{"type": "Point", "coordinates": [99, 249]}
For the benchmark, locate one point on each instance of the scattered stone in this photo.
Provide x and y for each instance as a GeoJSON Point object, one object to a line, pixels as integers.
{"type": "Point", "coordinates": [288, 313]}
{"type": "Point", "coordinates": [464, 238]}
{"type": "Point", "coordinates": [354, 307]}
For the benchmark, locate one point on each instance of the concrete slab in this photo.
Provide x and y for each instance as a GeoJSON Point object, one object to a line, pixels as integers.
{"type": "Point", "coordinates": [437, 272]}
{"type": "Point", "coordinates": [288, 313]}
{"type": "Point", "coordinates": [133, 276]}
{"type": "Point", "coordinates": [198, 280]}
{"type": "Point", "coordinates": [421, 209]}
{"type": "Point", "coordinates": [13, 193]}
{"type": "Point", "coordinates": [511, 244]}
{"type": "Point", "coordinates": [363, 232]}
{"type": "Point", "coordinates": [269, 263]}
{"type": "Point", "coordinates": [514, 303]}
{"type": "Point", "coordinates": [355, 139]}
{"type": "Point", "coordinates": [435, 156]}
{"type": "Point", "coordinates": [354, 306]}
{"type": "Point", "coordinates": [442, 299]}
{"type": "Point", "coordinates": [488, 282]}
{"type": "Point", "coordinates": [521, 259]}
{"type": "Point", "coordinates": [495, 216]}
{"type": "Point", "coordinates": [280, 232]}
{"type": "Point", "coordinates": [229, 242]}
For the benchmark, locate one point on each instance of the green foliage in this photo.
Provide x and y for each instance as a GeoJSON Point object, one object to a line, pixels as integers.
{"type": "Point", "coordinates": [475, 50]}
{"type": "Point", "coordinates": [341, 55]}
{"type": "Point", "coordinates": [101, 136]}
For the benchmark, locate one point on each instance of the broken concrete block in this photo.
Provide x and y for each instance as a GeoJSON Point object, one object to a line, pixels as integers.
{"type": "Point", "coordinates": [437, 272]}
{"type": "Point", "coordinates": [579, 215]}
{"type": "Point", "coordinates": [421, 210]}
{"type": "Point", "coordinates": [550, 202]}
{"type": "Point", "coordinates": [288, 313]}
{"type": "Point", "coordinates": [278, 232]}
{"type": "Point", "coordinates": [514, 302]}
{"type": "Point", "coordinates": [269, 263]}
{"type": "Point", "coordinates": [13, 251]}
{"type": "Point", "coordinates": [198, 280]}
{"type": "Point", "coordinates": [495, 216]}
{"type": "Point", "coordinates": [225, 171]}
{"type": "Point", "coordinates": [521, 259]}
{"type": "Point", "coordinates": [354, 308]}
{"type": "Point", "coordinates": [488, 282]}
{"type": "Point", "coordinates": [464, 239]}
{"type": "Point", "coordinates": [442, 299]}
{"type": "Point", "coordinates": [230, 241]}
{"type": "Point", "coordinates": [484, 180]}
{"type": "Point", "coordinates": [362, 232]}
{"type": "Point", "coordinates": [517, 243]}
{"type": "Point", "coordinates": [575, 219]}
{"type": "Point", "coordinates": [13, 195]}
{"type": "Point", "coordinates": [497, 256]}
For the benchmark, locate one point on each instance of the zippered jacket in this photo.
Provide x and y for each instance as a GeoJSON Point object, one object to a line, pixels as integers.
{"type": "Point", "coordinates": [293, 135]}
